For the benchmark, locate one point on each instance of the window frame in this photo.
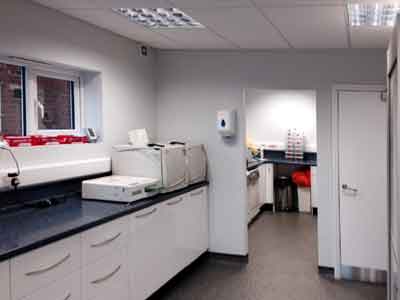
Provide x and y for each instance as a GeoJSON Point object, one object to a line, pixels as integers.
{"type": "Point", "coordinates": [32, 103]}
{"type": "Point", "coordinates": [23, 91]}
{"type": "Point", "coordinates": [29, 117]}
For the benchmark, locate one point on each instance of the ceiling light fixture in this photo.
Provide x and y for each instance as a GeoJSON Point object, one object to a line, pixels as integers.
{"type": "Point", "coordinates": [159, 17]}
{"type": "Point", "coordinates": [373, 14]}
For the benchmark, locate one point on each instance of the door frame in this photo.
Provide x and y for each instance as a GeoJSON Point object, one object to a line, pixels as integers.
{"type": "Point", "coordinates": [335, 159]}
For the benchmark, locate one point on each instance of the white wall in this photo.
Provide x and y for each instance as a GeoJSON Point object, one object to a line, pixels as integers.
{"type": "Point", "coordinates": [270, 113]}
{"type": "Point", "coordinates": [128, 80]}
{"type": "Point", "coordinates": [192, 86]}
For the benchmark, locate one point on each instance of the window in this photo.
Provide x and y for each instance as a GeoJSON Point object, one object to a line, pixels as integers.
{"type": "Point", "coordinates": [39, 101]}
{"type": "Point", "coordinates": [11, 99]}
{"type": "Point", "coordinates": [54, 99]}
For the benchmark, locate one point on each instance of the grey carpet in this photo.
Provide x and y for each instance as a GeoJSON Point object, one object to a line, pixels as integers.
{"type": "Point", "coordinates": [282, 266]}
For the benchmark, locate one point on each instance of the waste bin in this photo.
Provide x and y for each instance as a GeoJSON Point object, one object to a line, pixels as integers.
{"type": "Point", "coordinates": [284, 200]}
{"type": "Point", "coordinates": [303, 181]}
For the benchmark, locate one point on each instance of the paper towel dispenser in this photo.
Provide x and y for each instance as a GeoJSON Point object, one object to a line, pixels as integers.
{"type": "Point", "coordinates": [226, 122]}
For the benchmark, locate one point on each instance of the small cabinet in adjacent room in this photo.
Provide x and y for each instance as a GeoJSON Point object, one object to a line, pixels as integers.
{"type": "Point", "coordinates": [5, 280]}
{"type": "Point", "coordinates": [267, 183]}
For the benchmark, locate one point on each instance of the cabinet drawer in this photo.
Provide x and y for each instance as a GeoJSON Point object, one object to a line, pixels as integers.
{"type": "Point", "coordinates": [68, 288]}
{"type": "Point", "coordinates": [107, 279]}
{"type": "Point", "coordinates": [104, 240]}
{"type": "Point", "coordinates": [5, 280]}
{"type": "Point", "coordinates": [37, 269]}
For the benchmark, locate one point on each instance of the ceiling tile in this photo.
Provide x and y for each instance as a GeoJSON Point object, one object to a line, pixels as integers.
{"type": "Point", "coordinates": [58, 4]}
{"type": "Point", "coordinates": [210, 3]}
{"type": "Point", "coordinates": [245, 27]}
{"type": "Point", "coordinates": [107, 19]}
{"type": "Point", "coordinates": [370, 37]}
{"type": "Point", "coordinates": [196, 39]}
{"type": "Point", "coordinates": [311, 26]}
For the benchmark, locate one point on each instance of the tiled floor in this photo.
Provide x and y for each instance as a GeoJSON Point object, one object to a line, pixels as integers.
{"type": "Point", "coordinates": [282, 266]}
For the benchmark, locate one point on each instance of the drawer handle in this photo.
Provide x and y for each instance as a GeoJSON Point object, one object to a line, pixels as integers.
{"type": "Point", "coordinates": [180, 181]}
{"type": "Point", "coordinates": [175, 202]}
{"type": "Point", "coordinates": [46, 269]}
{"type": "Point", "coordinates": [147, 214]}
{"type": "Point", "coordinates": [68, 296]}
{"type": "Point", "coordinates": [196, 193]}
{"type": "Point", "coordinates": [107, 241]}
{"type": "Point", "coordinates": [100, 280]}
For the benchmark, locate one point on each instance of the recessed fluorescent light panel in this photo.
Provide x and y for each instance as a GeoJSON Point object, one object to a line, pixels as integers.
{"type": "Point", "coordinates": [159, 17]}
{"type": "Point", "coordinates": [373, 14]}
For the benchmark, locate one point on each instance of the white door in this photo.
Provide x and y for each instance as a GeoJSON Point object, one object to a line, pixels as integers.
{"type": "Point", "coordinates": [394, 174]}
{"type": "Point", "coordinates": [363, 179]}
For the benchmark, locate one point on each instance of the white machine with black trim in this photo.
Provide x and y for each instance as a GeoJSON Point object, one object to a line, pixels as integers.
{"type": "Point", "coordinates": [175, 165]}
{"type": "Point", "coordinates": [117, 188]}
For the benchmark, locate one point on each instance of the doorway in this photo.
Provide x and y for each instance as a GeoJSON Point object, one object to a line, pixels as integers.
{"type": "Point", "coordinates": [281, 138]}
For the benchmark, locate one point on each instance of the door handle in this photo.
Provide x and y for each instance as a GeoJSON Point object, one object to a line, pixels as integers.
{"type": "Point", "coordinates": [348, 188]}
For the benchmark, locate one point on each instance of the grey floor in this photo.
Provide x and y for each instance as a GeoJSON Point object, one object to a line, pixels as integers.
{"type": "Point", "coordinates": [282, 266]}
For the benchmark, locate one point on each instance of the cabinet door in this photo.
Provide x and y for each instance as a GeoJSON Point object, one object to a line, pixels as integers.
{"type": "Point", "coordinates": [178, 210]}
{"type": "Point", "coordinates": [5, 280]}
{"type": "Point", "coordinates": [263, 183]}
{"type": "Point", "coordinates": [270, 183]}
{"type": "Point", "coordinates": [107, 278]}
{"type": "Point", "coordinates": [150, 248]}
{"type": "Point", "coordinates": [394, 288]}
{"type": "Point", "coordinates": [68, 288]}
{"type": "Point", "coordinates": [188, 216]}
{"type": "Point", "coordinates": [198, 222]}
{"type": "Point", "coordinates": [314, 196]}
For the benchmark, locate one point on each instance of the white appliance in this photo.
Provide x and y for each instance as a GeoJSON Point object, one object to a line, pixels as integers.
{"type": "Point", "coordinates": [196, 163]}
{"type": "Point", "coordinates": [253, 194]}
{"type": "Point", "coordinates": [138, 137]}
{"type": "Point", "coordinates": [119, 188]}
{"type": "Point", "coordinates": [226, 123]}
{"type": "Point", "coordinates": [166, 163]}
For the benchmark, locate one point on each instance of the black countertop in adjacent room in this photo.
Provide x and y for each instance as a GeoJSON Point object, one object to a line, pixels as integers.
{"type": "Point", "coordinates": [278, 157]}
{"type": "Point", "coordinates": [26, 230]}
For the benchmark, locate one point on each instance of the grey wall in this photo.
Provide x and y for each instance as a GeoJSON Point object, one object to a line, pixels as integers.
{"type": "Point", "coordinates": [127, 80]}
{"type": "Point", "coordinates": [192, 86]}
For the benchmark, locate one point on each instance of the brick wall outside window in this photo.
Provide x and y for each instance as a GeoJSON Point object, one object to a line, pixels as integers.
{"type": "Point", "coordinates": [11, 100]}
{"type": "Point", "coordinates": [55, 95]}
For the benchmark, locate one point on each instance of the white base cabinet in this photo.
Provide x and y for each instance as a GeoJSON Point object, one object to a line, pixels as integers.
{"type": "Point", "coordinates": [314, 194]}
{"type": "Point", "coordinates": [5, 280]}
{"type": "Point", "coordinates": [267, 183]}
{"type": "Point", "coordinates": [166, 238]}
{"type": "Point", "coordinates": [127, 259]}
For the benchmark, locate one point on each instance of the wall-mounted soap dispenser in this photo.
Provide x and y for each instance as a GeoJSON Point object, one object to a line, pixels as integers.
{"type": "Point", "coordinates": [226, 122]}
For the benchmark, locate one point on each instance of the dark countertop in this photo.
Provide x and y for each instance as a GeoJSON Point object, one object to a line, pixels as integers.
{"type": "Point", "coordinates": [254, 164]}
{"type": "Point", "coordinates": [285, 161]}
{"type": "Point", "coordinates": [29, 229]}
